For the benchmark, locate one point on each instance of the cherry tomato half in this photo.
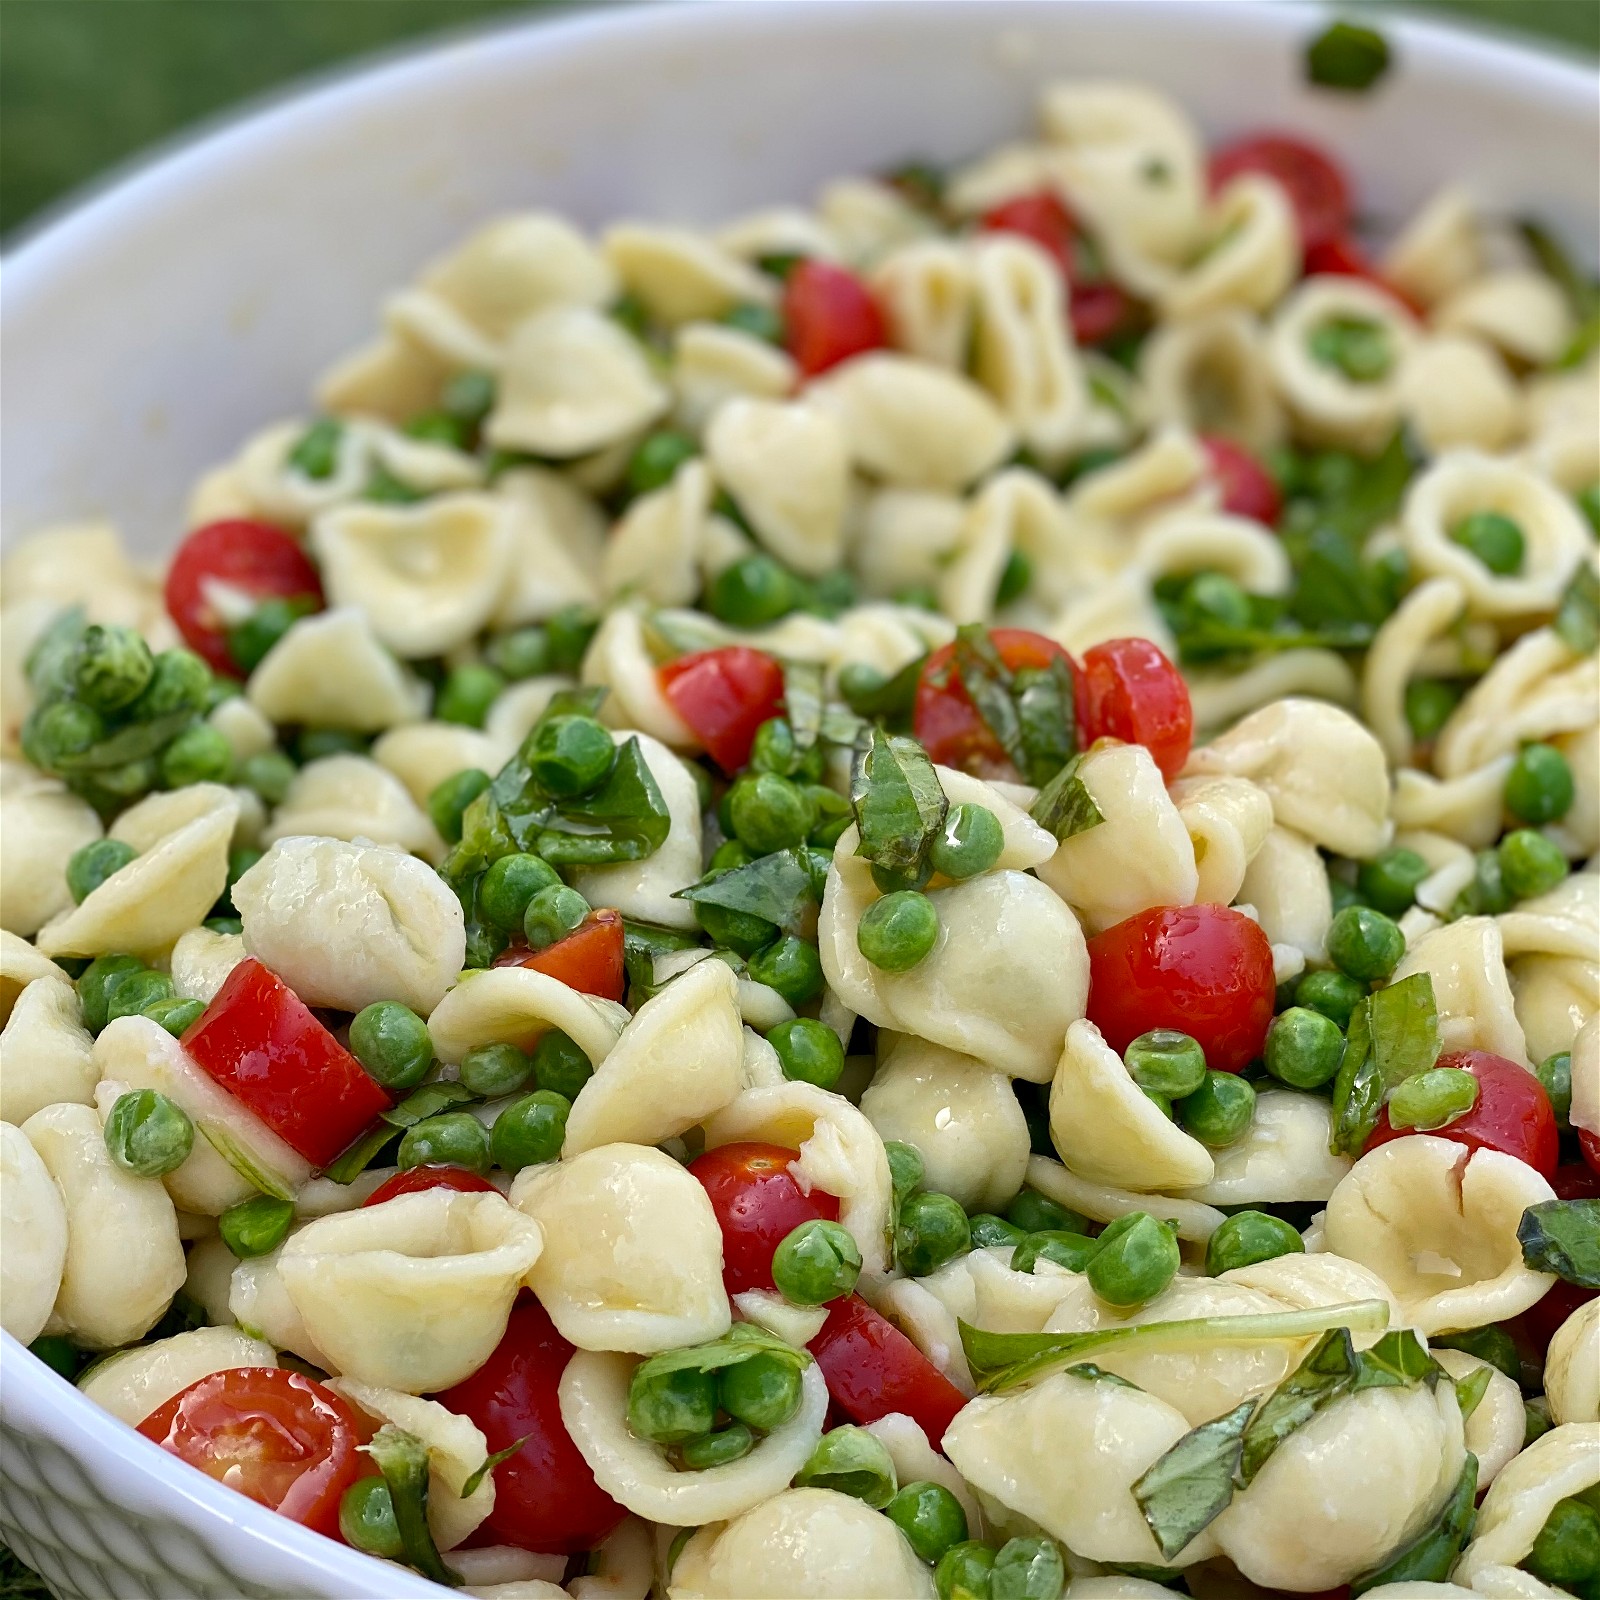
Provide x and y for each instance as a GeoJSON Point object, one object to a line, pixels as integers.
{"type": "Point", "coordinates": [1342, 257]}
{"type": "Point", "coordinates": [947, 723]}
{"type": "Point", "coordinates": [261, 1043]}
{"type": "Point", "coordinates": [436, 1176]}
{"type": "Point", "coordinates": [1132, 692]}
{"type": "Point", "coordinates": [829, 315]}
{"type": "Point", "coordinates": [758, 1203]}
{"type": "Point", "coordinates": [1536, 1327]}
{"type": "Point", "coordinates": [725, 695]}
{"type": "Point", "coordinates": [1513, 1114]}
{"type": "Point", "coordinates": [873, 1369]}
{"type": "Point", "coordinates": [245, 557]}
{"type": "Point", "coordinates": [283, 1439]}
{"type": "Point", "coordinates": [545, 1496]}
{"type": "Point", "coordinates": [1316, 185]}
{"type": "Point", "coordinates": [1247, 486]}
{"type": "Point", "coordinates": [589, 959]}
{"type": "Point", "coordinates": [1206, 970]}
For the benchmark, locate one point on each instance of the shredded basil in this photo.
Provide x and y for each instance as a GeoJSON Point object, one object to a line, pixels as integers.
{"type": "Point", "coordinates": [642, 943]}
{"type": "Point", "coordinates": [1188, 1488]}
{"type": "Point", "coordinates": [776, 888]}
{"type": "Point", "coordinates": [987, 680]}
{"type": "Point", "coordinates": [1563, 1237]}
{"type": "Point", "coordinates": [1047, 720]}
{"type": "Point", "coordinates": [402, 1458]}
{"type": "Point", "coordinates": [427, 1101]}
{"type": "Point", "coordinates": [898, 804]}
{"type": "Point", "coordinates": [1429, 1558]}
{"type": "Point", "coordinates": [1582, 291]}
{"type": "Point", "coordinates": [743, 1342]}
{"type": "Point", "coordinates": [893, 698]}
{"type": "Point", "coordinates": [1577, 621]}
{"type": "Point", "coordinates": [1393, 1035]}
{"type": "Point", "coordinates": [470, 1487]}
{"type": "Point", "coordinates": [1326, 1373]}
{"type": "Point", "coordinates": [1471, 1389]}
{"type": "Point", "coordinates": [1064, 806]}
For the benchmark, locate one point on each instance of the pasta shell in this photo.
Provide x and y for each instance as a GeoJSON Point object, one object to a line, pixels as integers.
{"type": "Point", "coordinates": [1466, 961]}
{"type": "Point", "coordinates": [330, 671]}
{"type": "Point", "coordinates": [901, 536]}
{"type": "Point", "coordinates": [1456, 391]}
{"type": "Point", "coordinates": [713, 364]}
{"type": "Point", "coordinates": [1521, 311]}
{"type": "Point", "coordinates": [20, 964]}
{"type": "Point", "coordinates": [682, 276]}
{"type": "Point", "coordinates": [1102, 1202]}
{"type": "Point", "coordinates": [1572, 1367]}
{"type": "Point", "coordinates": [1228, 820]}
{"type": "Point", "coordinates": [925, 290]}
{"type": "Point", "coordinates": [654, 551]}
{"type": "Point", "coordinates": [1252, 257]}
{"type": "Point", "coordinates": [619, 660]}
{"type": "Point", "coordinates": [44, 1051]}
{"type": "Point", "coordinates": [423, 754]}
{"type": "Point", "coordinates": [202, 960]}
{"type": "Point", "coordinates": [41, 825]}
{"type": "Point", "coordinates": [1494, 1431]}
{"type": "Point", "coordinates": [1287, 884]}
{"type": "Point", "coordinates": [34, 1218]}
{"type": "Point", "coordinates": [1209, 374]}
{"type": "Point", "coordinates": [133, 1384]}
{"type": "Point", "coordinates": [352, 797]}
{"type": "Point", "coordinates": [1282, 1159]}
{"type": "Point", "coordinates": [516, 1005]}
{"type": "Point", "coordinates": [1438, 250]}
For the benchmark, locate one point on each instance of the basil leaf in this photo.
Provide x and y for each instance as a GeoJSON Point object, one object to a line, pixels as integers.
{"type": "Point", "coordinates": [1090, 1373]}
{"type": "Point", "coordinates": [1206, 638]}
{"type": "Point", "coordinates": [893, 697]}
{"type": "Point", "coordinates": [470, 1487]}
{"type": "Point", "coordinates": [776, 888]}
{"type": "Point", "coordinates": [743, 1342]}
{"type": "Point", "coordinates": [802, 700]}
{"type": "Point", "coordinates": [1393, 1035]}
{"type": "Point", "coordinates": [1397, 1360]}
{"type": "Point", "coordinates": [625, 819]}
{"type": "Point", "coordinates": [1047, 720]}
{"type": "Point", "coordinates": [427, 1101]}
{"type": "Point", "coordinates": [642, 943]}
{"type": "Point", "coordinates": [1578, 619]}
{"type": "Point", "coordinates": [402, 1458]}
{"type": "Point", "coordinates": [1190, 1486]}
{"type": "Point", "coordinates": [1064, 806]}
{"type": "Point", "coordinates": [1471, 1389]}
{"type": "Point", "coordinates": [987, 680]}
{"type": "Point", "coordinates": [1582, 293]}
{"type": "Point", "coordinates": [1563, 1237]}
{"type": "Point", "coordinates": [1357, 1088]}
{"type": "Point", "coordinates": [49, 665]}
{"type": "Point", "coordinates": [1334, 588]}
{"type": "Point", "coordinates": [1325, 1374]}
{"type": "Point", "coordinates": [1429, 1558]}
{"type": "Point", "coordinates": [898, 804]}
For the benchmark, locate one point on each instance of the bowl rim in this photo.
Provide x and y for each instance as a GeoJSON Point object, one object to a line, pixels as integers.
{"type": "Point", "coordinates": [125, 1467]}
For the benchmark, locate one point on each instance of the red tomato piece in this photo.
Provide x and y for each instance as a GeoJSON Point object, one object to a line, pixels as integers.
{"type": "Point", "coordinates": [545, 1496]}
{"type": "Point", "coordinates": [1099, 309]}
{"type": "Point", "coordinates": [259, 1040]}
{"type": "Point", "coordinates": [1132, 692]}
{"type": "Point", "coordinates": [1536, 1327]}
{"type": "Point", "coordinates": [758, 1203]}
{"type": "Point", "coordinates": [873, 1369]}
{"type": "Point", "coordinates": [948, 724]}
{"type": "Point", "coordinates": [1206, 970]}
{"type": "Point", "coordinates": [1317, 187]}
{"type": "Point", "coordinates": [283, 1439]}
{"type": "Point", "coordinates": [1247, 487]}
{"type": "Point", "coordinates": [725, 695]}
{"type": "Point", "coordinates": [1576, 1180]}
{"type": "Point", "coordinates": [829, 315]}
{"type": "Point", "coordinates": [1042, 217]}
{"type": "Point", "coordinates": [437, 1176]}
{"type": "Point", "coordinates": [1513, 1113]}
{"type": "Point", "coordinates": [252, 558]}
{"type": "Point", "coordinates": [589, 959]}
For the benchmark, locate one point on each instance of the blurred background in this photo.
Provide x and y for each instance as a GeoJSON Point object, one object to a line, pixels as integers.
{"type": "Point", "coordinates": [86, 83]}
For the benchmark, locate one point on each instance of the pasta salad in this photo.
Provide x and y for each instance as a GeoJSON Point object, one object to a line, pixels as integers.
{"type": "Point", "coordinates": [895, 900]}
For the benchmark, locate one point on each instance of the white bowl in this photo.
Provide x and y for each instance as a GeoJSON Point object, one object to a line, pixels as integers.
{"type": "Point", "coordinates": [148, 331]}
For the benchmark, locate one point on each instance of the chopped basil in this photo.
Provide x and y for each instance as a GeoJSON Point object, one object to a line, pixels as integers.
{"type": "Point", "coordinates": [402, 1458]}
{"type": "Point", "coordinates": [1090, 1373]}
{"type": "Point", "coordinates": [1347, 56]}
{"type": "Point", "coordinates": [898, 804]}
{"type": "Point", "coordinates": [1563, 1237]}
{"type": "Point", "coordinates": [776, 888]}
{"type": "Point", "coordinates": [1471, 1389]}
{"type": "Point", "coordinates": [1431, 1555]}
{"type": "Point", "coordinates": [625, 819]}
{"type": "Point", "coordinates": [470, 1487]}
{"type": "Point", "coordinates": [1190, 1486]}
{"type": "Point", "coordinates": [1577, 621]}
{"type": "Point", "coordinates": [642, 943]}
{"type": "Point", "coordinates": [1397, 1360]}
{"type": "Point", "coordinates": [1064, 806]}
{"type": "Point", "coordinates": [803, 699]}
{"type": "Point", "coordinates": [1326, 1373]}
{"type": "Point", "coordinates": [1582, 292]}
{"type": "Point", "coordinates": [428, 1101]}
{"type": "Point", "coordinates": [50, 662]}
{"type": "Point", "coordinates": [1047, 720]}
{"type": "Point", "coordinates": [1334, 588]}
{"type": "Point", "coordinates": [987, 680]}
{"type": "Point", "coordinates": [1393, 1035]}
{"type": "Point", "coordinates": [887, 700]}
{"type": "Point", "coordinates": [743, 1342]}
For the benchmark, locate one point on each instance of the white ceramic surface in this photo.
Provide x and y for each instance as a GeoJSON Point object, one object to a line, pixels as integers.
{"type": "Point", "coordinates": [143, 334]}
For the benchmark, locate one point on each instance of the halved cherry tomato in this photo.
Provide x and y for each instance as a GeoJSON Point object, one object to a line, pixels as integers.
{"type": "Point", "coordinates": [285, 1440]}
{"type": "Point", "coordinates": [1342, 257]}
{"type": "Point", "coordinates": [259, 1040]}
{"type": "Point", "coordinates": [725, 695]}
{"type": "Point", "coordinates": [238, 556]}
{"type": "Point", "coordinates": [1099, 309]}
{"type": "Point", "coordinates": [1536, 1327]}
{"type": "Point", "coordinates": [589, 959]}
{"type": "Point", "coordinates": [1247, 486]}
{"type": "Point", "coordinates": [1132, 692]}
{"type": "Point", "coordinates": [758, 1204]}
{"type": "Point", "coordinates": [947, 723]}
{"type": "Point", "coordinates": [545, 1496]}
{"type": "Point", "coordinates": [829, 315]}
{"type": "Point", "coordinates": [1316, 186]}
{"type": "Point", "coordinates": [1206, 970]}
{"type": "Point", "coordinates": [1513, 1113]}
{"type": "Point", "coordinates": [873, 1369]}
{"type": "Point", "coordinates": [436, 1176]}
{"type": "Point", "coordinates": [1576, 1180]}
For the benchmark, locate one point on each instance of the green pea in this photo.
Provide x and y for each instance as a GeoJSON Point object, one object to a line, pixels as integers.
{"type": "Point", "coordinates": [452, 1139]}
{"type": "Point", "coordinates": [112, 667]}
{"type": "Point", "coordinates": [494, 1070]}
{"type": "Point", "coordinates": [175, 1014]}
{"type": "Point", "coordinates": [1331, 993]}
{"type": "Point", "coordinates": [470, 396]}
{"type": "Point", "coordinates": [510, 883]}
{"type": "Point", "coordinates": [655, 463]}
{"type": "Point", "coordinates": [315, 454]}
{"type": "Point", "coordinates": [1491, 1343]}
{"type": "Point", "coordinates": [932, 1229]}
{"type": "Point", "coordinates": [1166, 1062]}
{"type": "Point", "coordinates": [250, 640]}
{"type": "Point", "coordinates": [815, 1263]}
{"type": "Point", "coordinates": [1215, 597]}
{"type": "Point", "coordinates": [1364, 944]}
{"type": "Point", "coordinates": [1304, 1048]}
{"type": "Point", "coordinates": [989, 1231]}
{"type": "Point", "coordinates": [98, 982]}
{"type": "Point", "coordinates": [198, 755]}
{"type": "Point", "coordinates": [763, 1392]}
{"type": "Point", "coordinates": [467, 694]}
{"type": "Point", "coordinates": [717, 1449]}
{"type": "Point", "coordinates": [1429, 704]}
{"type": "Point", "coordinates": [1494, 539]}
{"type": "Point", "coordinates": [1220, 1111]}
{"type": "Point", "coordinates": [891, 880]}
{"type": "Point", "coordinates": [148, 1134]}
{"type": "Point", "coordinates": [571, 754]}
{"type": "Point", "coordinates": [1248, 1237]}
{"type": "Point", "coordinates": [522, 653]}
{"type": "Point", "coordinates": [770, 813]}
{"type": "Point", "coordinates": [90, 866]}
{"type": "Point", "coordinates": [752, 592]}
{"type": "Point", "coordinates": [232, 925]}
{"type": "Point", "coordinates": [1033, 1212]}
{"type": "Point", "coordinates": [919, 596]}
{"type": "Point", "coordinates": [808, 1051]}
{"type": "Point", "coordinates": [312, 744]}
{"type": "Point", "coordinates": [1069, 1250]}
{"type": "Point", "coordinates": [1539, 787]}
{"type": "Point", "coordinates": [1529, 864]}
{"type": "Point", "coordinates": [269, 773]}
{"type": "Point", "coordinates": [860, 684]}
{"type": "Point", "coordinates": [930, 1517]}
{"type": "Point", "coordinates": [569, 632]}
{"type": "Point", "coordinates": [391, 1042]}
{"type": "Point", "coordinates": [530, 1131]}
{"type": "Point", "coordinates": [834, 592]}
{"type": "Point", "coordinates": [963, 1571]}
{"type": "Point", "coordinates": [560, 1065]}
{"type": "Point", "coordinates": [1138, 1257]}
{"type": "Point", "coordinates": [1028, 1569]}
{"type": "Point", "coordinates": [57, 732]}
{"type": "Point", "coordinates": [792, 967]}
{"type": "Point", "coordinates": [448, 802]}
{"type": "Point", "coordinates": [760, 322]}
{"type": "Point", "coordinates": [138, 990]}
{"type": "Point", "coordinates": [728, 855]}
{"type": "Point", "coordinates": [907, 1169]}
{"type": "Point", "coordinates": [774, 748]}
{"type": "Point", "coordinates": [671, 1407]}
{"type": "Point", "coordinates": [1389, 881]}
{"type": "Point", "coordinates": [552, 914]}
{"type": "Point", "coordinates": [367, 1520]}
{"type": "Point", "coordinates": [256, 1227]}
{"type": "Point", "coordinates": [896, 932]}
{"type": "Point", "coordinates": [1567, 1551]}
{"type": "Point", "coordinates": [1015, 578]}
{"type": "Point", "coordinates": [834, 811]}
{"type": "Point", "coordinates": [969, 843]}
{"type": "Point", "coordinates": [1433, 1099]}
{"type": "Point", "coordinates": [1347, 57]}
{"type": "Point", "coordinates": [851, 1461]}
{"type": "Point", "coordinates": [439, 427]}
{"type": "Point", "coordinates": [180, 681]}
{"type": "Point", "coordinates": [59, 1354]}
{"type": "Point", "coordinates": [1555, 1076]}
{"type": "Point", "coordinates": [1356, 347]}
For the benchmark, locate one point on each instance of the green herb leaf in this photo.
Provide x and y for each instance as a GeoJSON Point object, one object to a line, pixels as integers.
{"type": "Point", "coordinates": [1429, 1557]}
{"type": "Point", "coordinates": [1393, 1035]}
{"type": "Point", "coordinates": [1190, 1486]}
{"type": "Point", "coordinates": [1471, 1389]}
{"type": "Point", "coordinates": [1207, 638]}
{"type": "Point", "coordinates": [775, 887]}
{"type": "Point", "coordinates": [1325, 1374]}
{"type": "Point", "coordinates": [470, 1487]}
{"type": "Point", "coordinates": [1563, 1237]}
{"type": "Point", "coordinates": [988, 683]}
{"type": "Point", "coordinates": [402, 1458]}
{"type": "Point", "coordinates": [1357, 1088]}
{"type": "Point", "coordinates": [1582, 292]}
{"type": "Point", "coordinates": [427, 1101]}
{"type": "Point", "coordinates": [625, 819]}
{"type": "Point", "coordinates": [1047, 720]}
{"type": "Point", "coordinates": [1348, 57]}
{"type": "Point", "coordinates": [642, 943]}
{"type": "Point", "coordinates": [1090, 1373]}
{"type": "Point", "coordinates": [1577, 621]}
{"type": "Point", "coordinates": [1334, 588]}
{"type": "Point", "coordinates": [1397, 1360]}
{"type": "Point", "coordinates": [1064, 806]}
{"type": "Point", "coordinates": [898, 804]}
{"type": "Point", "coordinates": [50, 663]}
{"type": "Point", "coordinates": [744, 1341]}
{"type": "Point", "coordinates": [892, 698]}
{"type": "Point", "coordinates": [802, 700]}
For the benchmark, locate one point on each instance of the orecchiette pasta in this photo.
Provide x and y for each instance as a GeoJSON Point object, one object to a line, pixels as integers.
{"type": "Point", "coordinates": [1209, 374]}
{"type": "Point", "coordinates": [1572, 1367]}
{"type": "Point", "coordinates": [352, 797]}
{"type": "Point", "coordinates": [44, 1050]}
{"type": "Point", "coordinates": [1250, 257]}
{"type": "Point", "coordinates": [330, 671]}
{"type": "Point", "coordinates": [133, 1383]}
{"type": "Point", "coordinates": [1287, 884]}
{"type": "Point", "coordinates": [1228, 820]}
{"type": "Point", "coordinates": [1520, 310]}
{"type": "Point", "coordinates": [926, 291]}
{"type": "Point", "coordinates": [619, 660]}
{"type": "Point", "coordinates": [1456, 391]}
{"type": "Point", "coordinates": [1493, 1433]}
{"type": "Point", "coordinates": [41, 824]}
{"type": "Point", "coordinates": [1105, 1202]}
{"type": "Point", "coordinates": [1466, 961]}
{"type": "Point", "coordinates": [35, 1220]}
{"type": "Point", "coordinates": [1282, 1158]}
{"type": "Point", "coordinates": [515, 1005]}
